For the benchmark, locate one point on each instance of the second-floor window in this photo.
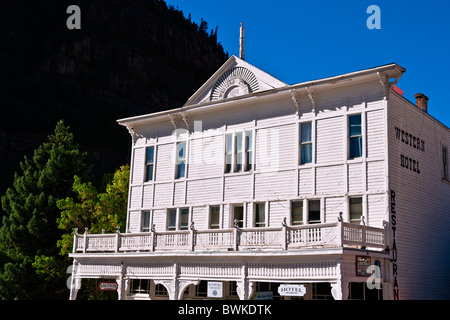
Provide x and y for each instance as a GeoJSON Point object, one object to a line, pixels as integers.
{"type": "Point", "coordinates": [313, 211]}
{"type": "Point", "coordinates": [180, 160]}
{"type": "Point", "coordinates": [238, 151]}
{"type": "Point", "coordinates": [149, 163]}
{"type": "Point", "coordinates": [305, 143]}
{"type": "Point", "coordinates": [214, 217]}
{"type": "Point", "coordinates": [297, 212]}
{"type": "Point", "coordinates": [355, 136]}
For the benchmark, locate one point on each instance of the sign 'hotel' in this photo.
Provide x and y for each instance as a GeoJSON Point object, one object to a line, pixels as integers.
{"type": "Point", "coordinates": [258, 184]}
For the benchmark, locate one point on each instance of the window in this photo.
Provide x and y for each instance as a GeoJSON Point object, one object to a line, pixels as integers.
{"type": "Point", "coordinates": [146, 221]}
{"type": "Point", "coordinates": [171, 219]}
{"type": "Point", "coordinates": [260, 215]}
{"type": "Point", "coordinates": [238, 151]}
{"type": "Point", "coordinates": [149, 162]}
{"type": "Point", "coordinates": [355, 210]}
{"type": "Point", "coordinates": [296, 212]}
{"type": "Point", "coordinates": [178, 219]}
{"type": "Point", "coordinates": [445, 163]}
{"type": "Point", "coordinates": [184, 219]}
{"type": "Point", "coordinates": [141, 286]}
{"type": "Point", "coordinates": [214, 217]}
{"type": "Point", "coordinates": [355, 136]}
{"type": "Point", "coordinates": [180, 165]}
{"type": "Point", "coordinates": [305, 143]}
{"type": "Point", "coordinates": [314, 211]}
{"type": "Point", "coordinates": [238, 215]}
{"type": "Point", "coordinates": [248, 150]}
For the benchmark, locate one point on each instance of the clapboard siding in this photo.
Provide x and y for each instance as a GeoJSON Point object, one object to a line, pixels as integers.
{"type": "Point", "coordinates": [204, 191]}
{"type": "Point", "coordinates": [330, 179]}
{"type": "Point", "coordinates": [330, 139]}
{"type": "Point", "coordinates": [179, 193]}
{"type": "Point", "coordinates": [238, 187]}
{"type": "Point", "coordinates": [275, 184]}
{"type": "Point", "coordinates": [376, 175]}
{"type": "Point", "coordinates": [305, 185]}
{"type": "Point", "coordinates": [206, 156]}
{"type": "Point", "coordinates": [376, 210]}
{"type": "Point", "coordinates": [278, 210]}
{"type": "Point", "coordinates": [138, 166]}
{"type": "Point", "coordinates": [200, 217]}
{"type": "Point", "coordinates": [135, 197]}
{"type": "Point", "coordinates": [159, 219]}
{"type": "Point", "coordinates": [165, 162]}
{"type": "Point", "coordinates": [355, 177]}
{"type": "Point", "coordinates": [163, 194]}
{"type": "Point", "coordinates": [375, 134]}
{"type": "Point", "coordinates": [332, 208]}
{"type": "Point", "coordinates": [147, 200]}
{"type": "Point", "coordinates": [422, 205]}
{"type": "Point", "coordinates": [134, 222]}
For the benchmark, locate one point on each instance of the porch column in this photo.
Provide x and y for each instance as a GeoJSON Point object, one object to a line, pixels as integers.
{"type": "Point", "coordinates": [74, 287]}
{"type": "Point", "coordinates": [245, 289]}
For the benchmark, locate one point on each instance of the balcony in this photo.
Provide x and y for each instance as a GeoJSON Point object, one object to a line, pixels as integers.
{"type": "Point", "coordinates": [325, 235]}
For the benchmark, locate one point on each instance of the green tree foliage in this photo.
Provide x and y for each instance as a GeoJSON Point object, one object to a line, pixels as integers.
{"type": "Point", "coordinates": [29, 227]}
{"type": "Point", "coordinates": [91, 209]}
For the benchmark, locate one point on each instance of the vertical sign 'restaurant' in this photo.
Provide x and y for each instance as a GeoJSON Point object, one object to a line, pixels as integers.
{"type": "Point", "coordinates": [394, 245]}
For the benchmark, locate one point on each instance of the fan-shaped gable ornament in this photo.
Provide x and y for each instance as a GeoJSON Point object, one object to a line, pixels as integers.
{"type": "Point", "coordinates": [235, 82]}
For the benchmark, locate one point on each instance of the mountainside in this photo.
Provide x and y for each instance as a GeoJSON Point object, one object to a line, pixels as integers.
{"type": "Point", "coordinates": [130, 57]}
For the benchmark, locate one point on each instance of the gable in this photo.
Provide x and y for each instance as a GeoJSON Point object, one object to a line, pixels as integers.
{"type": "Point", "coordinates": [234, 78]}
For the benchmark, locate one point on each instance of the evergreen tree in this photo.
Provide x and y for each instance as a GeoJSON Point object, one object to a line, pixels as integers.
{"type": "Point", "coordinates": [29, 227]}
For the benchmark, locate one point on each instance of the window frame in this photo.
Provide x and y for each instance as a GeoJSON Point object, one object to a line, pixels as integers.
{"type": "Point", "coordinates": [218, 225]}
{"type": "Point", "coordinates": [178, 219]}
{"type": "Point", "coordinates": [353, 220]}
{"type": "Point", "coordinates": [151, 164]}
{"type": "Point", "coordinates": [182, 160]}
{"type": "Point", "coordinates": [245, 154]}
{"type": "Point", "coordinates": [256, 208]}
{"type": "Point", "coordinates": [241, 223]}
{"type": "Point", "coordinates": [305, 143]}
{"type": "Point", "coordinates": [359, 136]}
{"type": "Point", "coordinates": [309, 211]}
{"type": "Point", "coordinates": [143, 214]}
{"type": "Point", "coordinates": [297, 222]}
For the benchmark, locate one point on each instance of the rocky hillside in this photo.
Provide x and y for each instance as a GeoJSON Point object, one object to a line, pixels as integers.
{"type": "Point", "coordinates": [130, 57]}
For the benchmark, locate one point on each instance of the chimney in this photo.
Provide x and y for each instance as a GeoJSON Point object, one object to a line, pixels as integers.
{"type": "Point", "coordinates": [422, 101]}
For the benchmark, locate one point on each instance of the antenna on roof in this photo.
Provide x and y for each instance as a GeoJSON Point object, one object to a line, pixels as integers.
{"type": "Point", "coordinates": [241, 43]}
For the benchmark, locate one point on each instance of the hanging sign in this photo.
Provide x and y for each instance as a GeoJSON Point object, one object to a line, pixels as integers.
{"type": "Point", "coordinates": [107, 286]}
{"type": "Point", "coordinates": [297, 290]}
{"type": "Point", "coordinates": [215, 289]}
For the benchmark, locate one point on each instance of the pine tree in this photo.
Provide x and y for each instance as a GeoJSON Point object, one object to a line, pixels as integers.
{"type": "Point", "coordinates": [29, 227]}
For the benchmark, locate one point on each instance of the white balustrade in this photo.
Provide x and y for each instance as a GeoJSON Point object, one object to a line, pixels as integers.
{"type": "Point", "coordinates": [338, 234]}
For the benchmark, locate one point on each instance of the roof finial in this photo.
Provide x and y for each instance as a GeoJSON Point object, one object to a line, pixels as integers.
{"type": "Point", "coordinates": [241, 43]}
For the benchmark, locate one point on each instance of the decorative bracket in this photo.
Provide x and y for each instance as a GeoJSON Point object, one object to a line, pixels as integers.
{"type": "Point", "coordinates": [386, 84]}
{"type": "Point", "coordinates": [296, 100]}
{"type": "Point", "coordinates": [312, 97]}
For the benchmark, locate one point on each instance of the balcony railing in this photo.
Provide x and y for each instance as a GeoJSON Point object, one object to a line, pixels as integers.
{"type": "Point", "coordinates": [326, 235]}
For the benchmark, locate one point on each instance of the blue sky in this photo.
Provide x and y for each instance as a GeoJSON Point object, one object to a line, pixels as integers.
{"type": "Point", "coordinates": [298, 41]}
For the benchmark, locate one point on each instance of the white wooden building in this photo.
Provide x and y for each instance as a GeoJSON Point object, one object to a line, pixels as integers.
{"type": "Point", "coordinates": [254, 184]}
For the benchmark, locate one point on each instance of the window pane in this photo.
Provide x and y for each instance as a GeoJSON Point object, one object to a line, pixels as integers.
{"type": "Point", "coordinates": [145, 221]}
{"type": "Point", "coordinates": [305, 134]}
{"type": "Point", "coordinates": [171, 219]}
{"type": "Point", "coordinates": [181, 168]}
{"type": "Point", "coordinates": [238, 161]}
{"type": "Point", "coordinates": [181, 150]}
{"type": "Point", "coordinates": [355, 148]}
{"type": "Point", "coordinates": [229, 143]}
{"type": "Point", "coordinates": [248, 140]}
{"type": "Point", "coordinates": [238, 141]}
{"type": "Point", "coordinates": [149, 155]}
{"type": "Point", "coordinates": [260, 214]}
{"type": "Point", "coordinates": [355, 210]}
{"type": "Point", "coordinates": [306, 153]}
{"type": "Point", "coordinates": [184, 218]}
{"type": "Point", "coordinates": [238, 214]}
{"type": "Point", "coordinates": [354, 123]}
{"type": "Point", "coordinates": [249, 161]}
{"type": "Point", "coordinates": [149, 172]}
{"type": "Point", "coordinates": [297, 212]}
{"type": "Point", "coordinates": [314, 211]}
{"type": "Point", "coordinates": [214, 217]}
